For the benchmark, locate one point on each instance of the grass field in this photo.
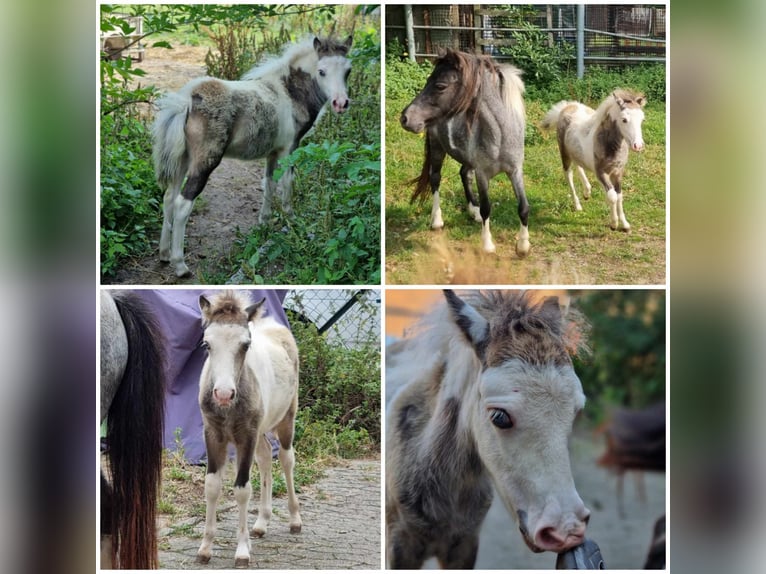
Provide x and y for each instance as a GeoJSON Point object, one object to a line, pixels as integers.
{"type": "Point", "coordinates": [568, 247]}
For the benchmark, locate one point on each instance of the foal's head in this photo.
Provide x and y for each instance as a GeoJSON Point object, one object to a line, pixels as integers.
{"type": "Point", "coordinates": [628, 114]}
{"type": "Point", "coordinates": [225, 318]}
{"type": "Point", "coordinates": [528, 397]}
{"type": "Point", "coordinates": [333, 69]}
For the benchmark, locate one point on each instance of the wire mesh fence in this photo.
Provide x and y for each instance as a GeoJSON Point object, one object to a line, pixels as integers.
{"type": "Point", "coordinates": [612, 34]}
{"type": "Point", "coordinates": [348, 317]}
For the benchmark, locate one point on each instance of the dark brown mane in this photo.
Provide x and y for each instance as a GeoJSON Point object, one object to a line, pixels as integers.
{"type": "Point", "coordinates": [524, 327]}
{"type": "Point", "coordinates": [471, 69]}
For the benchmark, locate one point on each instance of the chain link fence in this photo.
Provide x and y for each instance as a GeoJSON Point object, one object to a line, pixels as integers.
{"type": "Point", "coordinates": [348, 317]}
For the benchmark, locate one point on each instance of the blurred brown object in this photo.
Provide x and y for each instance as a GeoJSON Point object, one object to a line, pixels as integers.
{"type": "Point", "coordinates": [635, 440]}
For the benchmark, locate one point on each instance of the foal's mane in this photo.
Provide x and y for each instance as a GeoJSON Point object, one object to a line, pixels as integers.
{"type": "Point", "coordinates": [629, 97]}
{"type": "Point", "coordinates": [299, 55]}
{"type": "Point", "coordinates": [228, 306]}
{"type": "Point", "coordinates": [472, 69]}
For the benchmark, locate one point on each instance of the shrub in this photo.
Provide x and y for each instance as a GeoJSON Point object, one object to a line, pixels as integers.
{"type": "Point", "coordinates": [404, 78]}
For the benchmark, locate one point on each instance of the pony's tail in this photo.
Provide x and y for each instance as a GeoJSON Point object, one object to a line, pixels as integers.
{"type": "Point", "coordinates": [512, 91]}
{"type": "Point", "coordinates": [551, 118]}
{"type": "Point", "coordinates": [135, 427]}
{"type": "Point", "coordinates": [424, 179]}
{"type": "Point", "coordinates": [169, 149]}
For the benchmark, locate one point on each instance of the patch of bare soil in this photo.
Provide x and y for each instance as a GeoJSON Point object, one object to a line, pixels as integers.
{"type": "Point", "coordinates": [230, 201]}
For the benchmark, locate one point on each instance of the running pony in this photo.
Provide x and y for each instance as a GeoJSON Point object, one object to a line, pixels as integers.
{"type": "Point", "coordinates": [472, 109]}
{"type": "Point", "coordinates": [133, 403]}
{"type": "Point", "coordinates": [264, 115]}
{"type": "Point", "coordinates": [598, 140]}
{"type": "Point", "coordinates": [483, 396]}
{"type": "Point", "coordinates": [248, 386]}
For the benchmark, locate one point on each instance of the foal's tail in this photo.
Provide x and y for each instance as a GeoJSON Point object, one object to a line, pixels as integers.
{"type": "Point", "coordinates": [512, 91]}
{"type": "Point", "coordinates": [169, 150]}
{"type": "Point", "coordinates": [551, 118]}
{"type": "Point", "coordinates": [135, 434]}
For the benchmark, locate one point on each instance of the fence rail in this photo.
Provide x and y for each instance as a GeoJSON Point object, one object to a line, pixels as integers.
{"type": "Point", "coordinates": [601, 34]}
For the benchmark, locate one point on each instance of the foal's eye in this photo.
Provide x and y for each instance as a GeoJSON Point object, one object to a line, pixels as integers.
{"type": "Point", "coordinates": [441, 87]}
{"type": "Point", "coordinates": [625, 120]}
{"type": "Point", "coordinates": [322, 73]}
{"type": "Point", "coordinates": [205, 345]}
{"type": "Point", "coordinates": [500, 418]}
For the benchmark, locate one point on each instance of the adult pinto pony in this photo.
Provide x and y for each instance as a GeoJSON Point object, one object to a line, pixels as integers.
{"type": "Point", "coordinates": [133, 403]}
{"type": "Point", "coordinates": [263, 115]}
{"type": "Point", "coordinates": [248, 386]}
{"type": "Point", "coordinates": [598, 140]}
{"type": "Point", "coordinates": [483, 396]}
{"type": "Point", "coordinates": [472, 109]}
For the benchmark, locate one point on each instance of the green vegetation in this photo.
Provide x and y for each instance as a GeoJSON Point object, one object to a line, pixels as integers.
{"type": "Point", "coordinates": [334, 235]}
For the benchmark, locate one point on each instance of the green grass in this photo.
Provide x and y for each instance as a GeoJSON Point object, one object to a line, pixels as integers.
{"type": "Point", "coordinates": [567, 246]}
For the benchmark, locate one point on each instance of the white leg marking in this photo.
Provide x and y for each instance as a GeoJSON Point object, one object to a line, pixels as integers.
{"type": "Point", "coordinates": [611, 199]}
{"type": "Point", "coordinates": [570, 181]}
{"type": "Point", "coordinates": [475, 212]}
{"type": "Point", "coordinates": [486, 238]}
{"type": "Point", "coordinates": [585, 182]}
{"type": "Point", "coordinates": [287, 460]}
{"type": "Point", "coordinates": [182, 210]}
{"type": "Point", "coordinates": [522, 243]}
{"type": "Point", "coordinates": [286, 183]}
{"type": "Point", "coordinates": [263, 458]}
{"type": "Point", "coordinates": [436, 213]}
{"type": "Point", "coordinates": [623, 222]}
{"type": "Point", "coordinates": [242, 496]}
{"type": "Point", "coordinates": [212, 492]}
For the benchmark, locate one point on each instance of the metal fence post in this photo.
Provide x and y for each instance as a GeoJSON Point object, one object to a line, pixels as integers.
{"type": "Point", "coordinates": [580, 40]}
{"type": "Point", "coordinates": [409, 23]}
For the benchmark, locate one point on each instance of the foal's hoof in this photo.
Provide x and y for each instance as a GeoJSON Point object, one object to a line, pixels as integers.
{"type": "Point", "coordinates": [202, 559]}
{"type": "Point", "coordinates": [295, 528]}
{"type": "Point", "coordinates": [522, 248]}
{"type": "Point", "coordinates": [182, 270]}
{"type": "Point", "coordinates": [242, 563]}
{"type": "Point", "coordinates": [257, 532]}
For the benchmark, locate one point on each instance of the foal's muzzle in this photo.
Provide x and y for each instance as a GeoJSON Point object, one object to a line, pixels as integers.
{"type": "Point", "coordinates": [411, 124]}
{"type": "Point", "coordinates": [340, 105]}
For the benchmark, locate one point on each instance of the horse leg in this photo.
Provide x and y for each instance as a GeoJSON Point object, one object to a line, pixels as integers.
{"type": "Point", "coordinates": [269, 186]}
{"type": "Point", "coordinates": [285, 431]}
{"type": "Point", "coordinates": [612, 199]}
{"type": "Point", "coordinates": [168, 206]}
{"type": "Point", "coordinates": [405, 550]}
{"type": "Point", "coordinates": [568, 171]}
{"type": "Point", "coordinates": [182, 208]}
{"type": "Point", "coordinates": [473, 206]}
{"type": "Point", "coordinates": [461, 554]}
{"type": "Point", "coordinates": [585, 182]}
{"type": "Point", "coordinates": [242, 491]}
{"type": "Point", "coordinates": [286, 184]}
{"type": "Point", "coordinates": [216, 458]}
{"type": "Point", "coordinates": [484, 208]}
{"type": "Point", "coordinates": [263, 459]}
{"type": "Point", "coordinates": [625, 226]}
{"type": "Point", "coordinates": [522, 242]}
{"type": "Point", "coordinates": [435, 178]}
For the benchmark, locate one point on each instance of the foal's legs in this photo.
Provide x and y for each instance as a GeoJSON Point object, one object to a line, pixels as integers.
{"type": "Point", "coordinates": [216, 458]}
{"type": "Point", "coordinates": [270, 186]}
{"type": "Point", "coordinates": [242, 491]}
{"type": "Point", "coordinates": [285, 431]}
{"type": "Point", "coordinates": [263, 459]}
{"type": "Point", "coordinates": [569, 171]}
{"type": "Point", "coordinates": [473, 206]}
{"type": "Point", "coordinates": [405, 550]}
{"type": "Point", "coordinates": [585, 182]}
{"type": "Point", "coordinates": [614, 200]}
{"type": "Point", "coordinates": [517, 180]}
{"type": "Point", "coordinates": [461, 554]}
{"type": "Point", "coordinates": [435, 178]}
{"type": "Point", "coordinates": [168, 208]}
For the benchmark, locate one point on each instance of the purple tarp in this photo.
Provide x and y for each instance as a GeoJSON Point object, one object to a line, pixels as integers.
{"type": "Point", "coordinates": [178, 314]}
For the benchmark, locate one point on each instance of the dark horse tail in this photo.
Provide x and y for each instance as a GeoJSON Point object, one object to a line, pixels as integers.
{"type": "Point", "coordinates": [135, 434]}
{"type": "Point", "coordinates": [424, 179]}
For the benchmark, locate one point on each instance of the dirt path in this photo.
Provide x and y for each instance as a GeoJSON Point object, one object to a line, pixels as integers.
{"type": "Point", "coordinates": [341, 527]}
{"type": "Point", "coordinates": [230, 201]}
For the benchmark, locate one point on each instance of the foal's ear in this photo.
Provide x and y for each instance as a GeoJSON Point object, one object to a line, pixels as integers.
{"type": "Point", "coordinates": [348, 42]}
{"type": "Point", "coordinates": [552, 310]}
{"type": "Point", "coordinates": [204, 306]}
{"type": "Point", "coordinates": [317, 43]}
{"type": "Point", "coordinates": [471, 323]}
{"type": "Point", "coordinates": [256, 310]}
{"type": "Point", "coordinates": [641, 101]}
